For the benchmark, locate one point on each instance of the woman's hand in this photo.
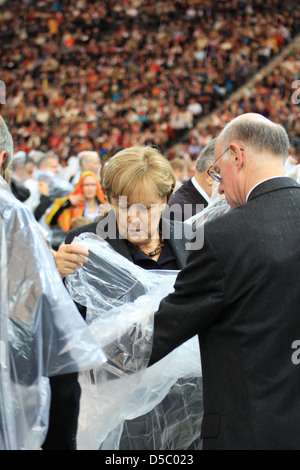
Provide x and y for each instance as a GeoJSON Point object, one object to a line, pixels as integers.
{"type": "Point", "coordinates": [69, 258]}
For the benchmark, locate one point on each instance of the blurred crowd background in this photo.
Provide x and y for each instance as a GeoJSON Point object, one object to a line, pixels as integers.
{"type": "Point", "coordinates": [104, 75]}
{"type": "Point", "coordinates": [82, 79]}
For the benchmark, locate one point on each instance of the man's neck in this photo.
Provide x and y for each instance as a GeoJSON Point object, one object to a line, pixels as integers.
{"type": "Point", "coordinates": [201, 181]}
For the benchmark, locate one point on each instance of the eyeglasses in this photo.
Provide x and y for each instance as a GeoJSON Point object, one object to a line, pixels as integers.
{"type": "Point", "coordinates": [213, 172]}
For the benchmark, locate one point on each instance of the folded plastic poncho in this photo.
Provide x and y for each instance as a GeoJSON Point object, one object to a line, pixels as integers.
{"type": "Point", "coordinates": [217, 206]}
{"type": "Point", "coordinates": [41, 332]}
{"type": "Point", "coordinates": [121, 299]}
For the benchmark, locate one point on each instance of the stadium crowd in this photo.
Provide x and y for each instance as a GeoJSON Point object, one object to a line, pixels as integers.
{"type": "Point", "coordinates": [271, 94]}
{"type": "Point", "coordinates": [87, 80]}
{"type": "Point", "coordinates": [103, 75]}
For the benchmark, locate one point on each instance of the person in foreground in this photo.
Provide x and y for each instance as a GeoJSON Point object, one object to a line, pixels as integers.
{"type": "Point", "coordinates": [44, 342]}
{"type": "Point", "coordinates": [240, 294]}
{"type": "Point", "coordinates": [138, 182]}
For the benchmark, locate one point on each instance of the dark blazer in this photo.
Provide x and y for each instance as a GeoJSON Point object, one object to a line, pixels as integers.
{"type": "Point", "coordinates": [241, 295]}
{"type": "Point", "coordinates": [107, 229]}
{"type": "Point", "coordinates": [187, 194]}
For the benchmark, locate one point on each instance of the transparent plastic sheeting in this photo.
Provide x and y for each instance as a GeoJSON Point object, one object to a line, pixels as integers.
{"type": "Point", "coordinates": [217, 206]}
{"type": "Point", "coordinates": [121, 299]}
{"type": "Point", "coordinates": [41, 332]}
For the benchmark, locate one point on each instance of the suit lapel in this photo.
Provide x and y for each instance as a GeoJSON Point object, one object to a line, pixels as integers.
{"type": "Point", "coordinates": [174, 232]}
{"type": "Point", "coordinates": [273, 184]}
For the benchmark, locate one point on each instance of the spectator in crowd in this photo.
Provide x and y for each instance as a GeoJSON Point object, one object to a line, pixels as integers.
{"type": "Point", "coordinates": [191, 170]}
{"type": "Point", "coordinates": [84, 201]}
{"type": "Point", "coordinates": [45, 186]}
{"type": "Point", "coordinates": [88, 161]}
{"type": "Point", "coordinates": [294, 169]}
{"type": "Point", "coordinates": [180, 168]}
{"type": "Point", "coordinates": [293, 160]}
{"type": "Point", "coordinates": [17, 177]}
{"type": "Point", "coordinates": [39, 189]}
{"type": "Point", "coordinates": [194, 194]}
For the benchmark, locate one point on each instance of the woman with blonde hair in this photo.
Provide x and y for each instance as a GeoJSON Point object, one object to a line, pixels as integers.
{"type": "Point", "coordinates": [138, 183]}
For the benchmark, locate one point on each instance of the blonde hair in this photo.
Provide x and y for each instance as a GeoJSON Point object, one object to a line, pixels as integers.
{"type": "Point", "coordinates": [137, 164]}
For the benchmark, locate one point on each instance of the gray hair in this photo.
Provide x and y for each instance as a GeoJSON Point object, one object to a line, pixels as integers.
{"type": "Point", "coordinates": [259, 134]}
{"type": "Point", "coordinates": [84, 156]}
{"type": "Point", "coordinates": [18, 162]}
{"type": "Point", "coordinates": [45, 159]}
{"type": "Point", "coordinates": [6, 143]}
{"type": "Point", "coordinates": [206, 156]}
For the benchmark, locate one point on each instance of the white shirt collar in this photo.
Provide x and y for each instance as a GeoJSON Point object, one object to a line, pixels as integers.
{"type": "Point", "coordinates": [201, 190]}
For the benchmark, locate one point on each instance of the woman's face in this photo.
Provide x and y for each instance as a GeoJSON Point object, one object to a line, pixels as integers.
{"type": "Point", "coordinates": [138, 216]}
{"type": "Point", "coordinates": [89, 187]}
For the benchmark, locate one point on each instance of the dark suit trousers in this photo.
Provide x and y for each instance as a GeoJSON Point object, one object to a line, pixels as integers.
{"type": "Point", "coordinates": [64, 411]}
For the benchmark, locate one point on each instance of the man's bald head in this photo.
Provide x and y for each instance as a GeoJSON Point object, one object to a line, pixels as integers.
{"type": "Point", "coordinates": [258, 134]}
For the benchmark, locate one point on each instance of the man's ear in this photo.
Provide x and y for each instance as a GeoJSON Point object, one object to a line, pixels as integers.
{"type": "Point", "coordinates": [237, 155]}
{"type": "Point", "coordinates": [3, 156]}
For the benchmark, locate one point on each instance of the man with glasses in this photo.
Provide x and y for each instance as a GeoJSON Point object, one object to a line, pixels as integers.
{"type": "Point", "coordinates": [195, 193]}
{"type": "Point", "coordinates": [234, 294]}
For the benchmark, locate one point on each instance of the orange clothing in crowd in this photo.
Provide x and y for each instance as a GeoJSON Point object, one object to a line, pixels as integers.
{"type": "Point", "coordinates": [70, 212]}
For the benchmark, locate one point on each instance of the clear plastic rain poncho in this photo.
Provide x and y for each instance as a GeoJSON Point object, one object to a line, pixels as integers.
{"type": "Point", "coordinates": [41, 332]}
{"type": "Point", "coordinates": [121, 299]}
{"type": "Point", "coordinates": [217, 206]}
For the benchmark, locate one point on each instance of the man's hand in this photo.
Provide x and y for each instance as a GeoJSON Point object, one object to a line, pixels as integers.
{"type": "Point", "coordinates": [76, 199]}
{"type": "Point", "coordinates": [43, 188]}
{"type": "Point", "coordinates": [69, 258]}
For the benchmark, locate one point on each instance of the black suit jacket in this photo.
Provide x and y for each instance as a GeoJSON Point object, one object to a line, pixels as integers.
{"type": "Point", "coordinates": [187, 195]}
{"type": "Point", "coordinates": [241, 295]}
